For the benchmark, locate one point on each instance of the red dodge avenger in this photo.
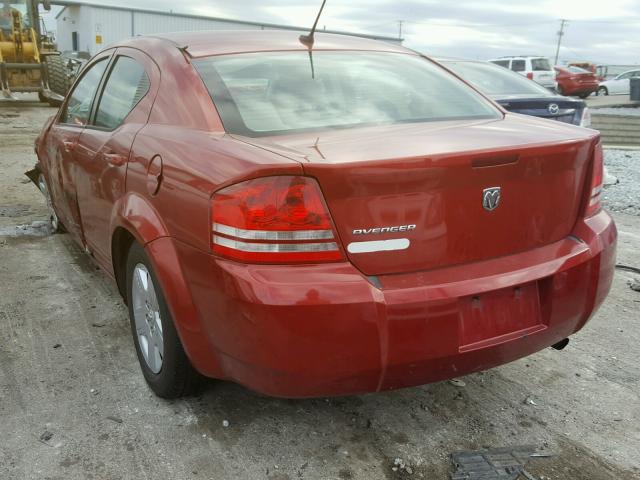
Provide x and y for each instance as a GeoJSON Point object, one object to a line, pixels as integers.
{"type": "Point", "coordinates": [320, 219]}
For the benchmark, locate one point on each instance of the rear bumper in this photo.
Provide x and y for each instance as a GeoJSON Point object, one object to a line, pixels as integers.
{"type": "Point", "coordinates": [580, 89]}
{"type": "Point", "coordinates": [318, 330]}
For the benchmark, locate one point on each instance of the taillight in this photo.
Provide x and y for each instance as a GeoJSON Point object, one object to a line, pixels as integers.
{"type": "Point", "coordinates": [530, 75]}
{"type": "Point", "coordinates": [585, 119]}
{"type": "Point", "coordinates": [595, 190]}
{"type": "Point", "coordinates": [281, 219]}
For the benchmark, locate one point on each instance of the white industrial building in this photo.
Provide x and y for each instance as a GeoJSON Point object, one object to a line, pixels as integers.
{"type": "Point", "coordinates": [89, 27]}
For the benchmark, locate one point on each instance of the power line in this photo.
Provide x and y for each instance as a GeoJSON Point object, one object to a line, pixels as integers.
{"type": "Point", "coordinates": [482, 25]}
{"type": "Point", "coordinates": [501, 25]}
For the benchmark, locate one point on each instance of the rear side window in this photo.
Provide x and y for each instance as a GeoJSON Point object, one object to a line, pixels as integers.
{"type": "Point", "coordinates": [540, 65]}
{"type": "Point", "coordinates": [502, 63]}
{"type": "Point", "coordinates": [518, 65]}
{"type": "Point", "coordinates": [78, 106]}
{"type": "Point", "coordinates": [125, 87]}
{"type": "Point", "coordinates": [276, 93]}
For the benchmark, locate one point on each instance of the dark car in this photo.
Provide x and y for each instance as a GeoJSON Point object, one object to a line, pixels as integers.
{"type": "Point", "coordinates": [308, 222]}
{"type": "Point", "coordinates": [519, 94]}
{"type": "Point", "coordinates": [576, 81]}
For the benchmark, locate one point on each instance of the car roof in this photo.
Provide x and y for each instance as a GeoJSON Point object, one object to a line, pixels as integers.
{"type": "Point", "coordinates": [459, 59]}
{"type": "Point", "coordinates": [508, 57]}
{"type": "Point", "coordinates": [224, 42]}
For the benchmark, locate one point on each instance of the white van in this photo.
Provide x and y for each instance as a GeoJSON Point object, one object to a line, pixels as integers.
{"type": "Point", "coordinates": [538, 69]}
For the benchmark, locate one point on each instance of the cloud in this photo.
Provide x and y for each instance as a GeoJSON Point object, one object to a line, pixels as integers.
{"type": "Point", "coordinates": [466, 28]}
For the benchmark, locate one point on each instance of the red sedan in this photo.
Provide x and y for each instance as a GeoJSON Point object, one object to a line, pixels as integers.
{"type": "Point", "coordinates": [576, 81]}
{"type": "Point", "coordinates": [339, 219]}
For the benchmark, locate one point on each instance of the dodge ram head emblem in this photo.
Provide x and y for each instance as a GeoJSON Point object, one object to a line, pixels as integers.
{"type": "Point", "coordinates": [553, 108]}
{"type": "Point", "coordinates": [491, 198]}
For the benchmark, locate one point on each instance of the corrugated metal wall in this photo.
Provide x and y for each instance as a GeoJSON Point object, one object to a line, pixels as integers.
{"type": "Point", "coordinates": [110, 26]}
{"type": "Point", "coordinates": [75, 19]}
{"type": "Point", "coordinates": [148, 23]}
{"type": "Point", "coordinates": [97, 27]}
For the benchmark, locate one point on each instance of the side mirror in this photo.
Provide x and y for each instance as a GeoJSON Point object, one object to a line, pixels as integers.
{"type": "Point", "coordinates": [46, 4]}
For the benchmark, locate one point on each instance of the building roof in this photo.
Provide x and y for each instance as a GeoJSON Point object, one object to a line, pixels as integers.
{"type": "Point", "coordinates": [67, 3]}
{"type": "Point", "coordinates": [223, 42]}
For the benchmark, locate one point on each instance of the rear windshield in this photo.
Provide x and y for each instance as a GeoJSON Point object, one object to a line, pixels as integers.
{"type": "Point", "coordinates": [284, 92]}
{"type": "Point", "coordinates": [540, 65]}
{"type": "Point", "coordinates": [573, 69]}
{"type": "Point", "coordinates": [495, 80]}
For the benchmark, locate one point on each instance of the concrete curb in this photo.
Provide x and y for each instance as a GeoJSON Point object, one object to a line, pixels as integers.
{"type": "Point", "coordinates": [617, 129]}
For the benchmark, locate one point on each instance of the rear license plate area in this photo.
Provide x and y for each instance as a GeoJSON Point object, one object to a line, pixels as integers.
{"type": "Point", "coordinates": [499, 316]}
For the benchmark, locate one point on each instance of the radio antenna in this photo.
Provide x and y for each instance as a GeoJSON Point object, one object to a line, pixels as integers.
{"type": "Point", "coordinates": [308, 39]}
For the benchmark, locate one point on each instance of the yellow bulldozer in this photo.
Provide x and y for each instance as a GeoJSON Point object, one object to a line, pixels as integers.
{"type": "Point", "coordinates": [29, 61]}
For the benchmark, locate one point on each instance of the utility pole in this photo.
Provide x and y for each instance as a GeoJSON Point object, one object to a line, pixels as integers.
{"type": "Point", "coordinates": [400, 22]}
{"type": "Point", "coordinates": [563, 22]}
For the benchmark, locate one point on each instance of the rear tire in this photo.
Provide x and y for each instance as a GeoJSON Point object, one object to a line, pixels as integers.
{"type": "Point", "coordinates": [162, 358]}
{"type": "Point", "coordinates": [602, 91]}
{"type": "Point", "coordinates": [584, 95]}
{"type": "Point", "coordinates": [58, 80]}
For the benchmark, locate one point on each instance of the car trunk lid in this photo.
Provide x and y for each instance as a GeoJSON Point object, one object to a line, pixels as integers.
{"type": "Point", "coordinates": [554, 108]}
{"type": "Point", "coordinates": [412, 197]}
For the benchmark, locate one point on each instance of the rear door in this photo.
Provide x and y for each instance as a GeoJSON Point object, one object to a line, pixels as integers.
{"type": "Point", "coordinates": [62, 141]}
{"type": "Point", "coordinates": [121, 110]}
{"type": "Point", "coordinates": [620, 85]}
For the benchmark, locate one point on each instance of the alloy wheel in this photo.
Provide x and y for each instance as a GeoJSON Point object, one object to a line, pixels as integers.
{"type": "Point", "coordinates": [146, 313]}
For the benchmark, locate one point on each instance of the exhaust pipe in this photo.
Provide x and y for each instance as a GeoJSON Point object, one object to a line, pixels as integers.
{"type": "Point", "coordinates": [561, 344]}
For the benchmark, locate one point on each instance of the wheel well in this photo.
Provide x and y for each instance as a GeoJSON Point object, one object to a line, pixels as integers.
{"type": "Point", "coordinates": [120, 244]}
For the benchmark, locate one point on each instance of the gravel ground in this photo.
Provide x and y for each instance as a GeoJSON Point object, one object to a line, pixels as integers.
{"type": "Point", "coordinates": [632, 111]}
{"type": "Point", "coordinates": [624, 196]}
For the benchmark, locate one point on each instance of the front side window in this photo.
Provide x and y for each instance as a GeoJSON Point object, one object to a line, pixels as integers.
{"type": "Point", "coordinates": [126, 85]}
{"type": "Point", "coordinates": [9, 9]}
{"type": "Point", "coordinates": [275, 93]}
{"type": "Point", "coordinates": [540, 65]}
{"type": "Point", "coordinates": [78, 106]}
{"type": "Point", "coordinates": [518, 65]}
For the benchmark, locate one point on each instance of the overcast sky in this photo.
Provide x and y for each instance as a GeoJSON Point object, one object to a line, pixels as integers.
{"type": "Point", "coordinates": [600, 31]}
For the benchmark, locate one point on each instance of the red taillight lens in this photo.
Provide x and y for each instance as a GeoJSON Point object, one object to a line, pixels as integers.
{"type": "Point", "coordinates": [595, 190]}
{"type": "Point", "coordinates": [530, 75]}
{"type": "Point", "coordinates": [275, 220]}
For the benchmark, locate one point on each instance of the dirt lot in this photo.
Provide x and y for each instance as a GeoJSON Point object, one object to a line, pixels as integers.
{"type": "Point", "coordinates": [73, 404]}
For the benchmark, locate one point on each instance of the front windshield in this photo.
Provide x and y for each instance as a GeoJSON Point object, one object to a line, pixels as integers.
{"type": "Point", "coordinates": [495, 80]}
{"type": "Point", "coordinates": [274, 93]}
{"type": "Point", "coordinates": [5, 14]}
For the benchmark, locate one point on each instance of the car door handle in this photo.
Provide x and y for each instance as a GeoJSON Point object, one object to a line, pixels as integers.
{"type": "Point", "coordinates": [69, 146]}
{"type": "Point", "coordinates": [115, 159]}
